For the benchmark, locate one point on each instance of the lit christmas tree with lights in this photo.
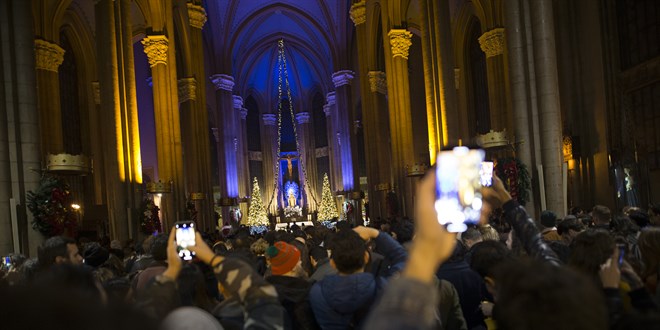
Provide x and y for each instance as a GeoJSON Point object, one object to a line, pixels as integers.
{"type": "Point", "coordinates": [257, 213]}
{"type": "Point", "coordinates": [328, 209]}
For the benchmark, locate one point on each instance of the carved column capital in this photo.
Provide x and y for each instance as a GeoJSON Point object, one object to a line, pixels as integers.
{"type": "Point", "coordinates": [187, 89]}
{"type": "Point", "coordinates": [48, 55]}
{"type": "Point", "coordinates": [269, 119]}
{"type": "Point", "coordinates": [96, 91]}
{"type": "Point", "coordinates": [196, 15]}
{"type": "Point", "coordinates": [492, 42]}
{"type": "Point", "coordinates": [330, 98]}
{"type": "Point", "coordinates": [216, 134]}
{"type": "Point", "coordinates": [244, 113]}
{"type": "Point", "coordinates": [400, 42]}
{"type": "Point", "coordinates": [238, 102]}
{"type": "Point", "coordinates": [302, 118]}
{"type": "Point", "coordinates": [343, 77]}
{"type": "Point", "coordinates": [223, 81]}
{"type": "Point", "coordinates": [377, 82]}
{"type": "Point", "coordinates": [358, 12]}
{"type": "Point", "coordinates": [327, 110]}
{"type": "Point", "coordinates": [155, 47]}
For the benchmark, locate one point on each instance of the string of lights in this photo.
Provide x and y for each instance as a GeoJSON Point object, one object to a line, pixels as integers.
{"type": "Point", "coordinates": [282, 71]}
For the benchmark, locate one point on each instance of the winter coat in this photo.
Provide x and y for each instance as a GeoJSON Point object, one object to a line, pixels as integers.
{"type": "Point", "coordinates": [343, 301]}
{"type": "Point", "coordinates": [471, 290]}
{"type": "Point", "coordinates": [293, 294]}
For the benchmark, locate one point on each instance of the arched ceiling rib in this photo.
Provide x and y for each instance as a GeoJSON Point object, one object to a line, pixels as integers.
{"type": "Point", "coordinates": [244, 36]}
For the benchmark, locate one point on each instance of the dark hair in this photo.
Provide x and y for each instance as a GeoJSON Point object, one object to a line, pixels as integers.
{"type": "Point", "coordinates": [192, 288]}
{"type": "Point", "coordinates": [472, 233]}
{"type": "Point", "coordinates": [487, 255]}
{"type": "Point", "coordinates": [589, 250]}
{"type": "Point", "coordinates": [548, 219]}
{"type": "Point", "coordinates": [52, 248]}
{"type": "Point", "coordinates": [348, 251]}
{"type": "Point", "coordinates": [639, 217]}
{"type": "Point", "coordinates": [536, 295]}
{"type": "Point", "coordinates": [623, 226]}
{"type": "Point", "coordinates": [404, 230]}
{"type": "Point", "coordinates": [601, 214]}
{"type": "Point", "coordinates": [318, 253]}
{"type": "Point", "coordinates": [159, 247]}
{"type": "Point", "coordinates": [567, 224]}
{"type": "Point", "coordinates": [343, 225]}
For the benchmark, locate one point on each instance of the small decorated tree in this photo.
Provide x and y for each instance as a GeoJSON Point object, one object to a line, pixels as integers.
{"type": "Point", "coordinates": [256, 213]}
{"type": "Point", "coordinates": [50, 206]}
{"type": "Point", "coordinates": [328, 208]}
{"type": "Point", "coordinates": [149, 219]}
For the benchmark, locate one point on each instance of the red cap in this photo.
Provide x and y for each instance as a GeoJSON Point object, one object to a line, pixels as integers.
{"type": "Point", "coordinates": [283, 257]}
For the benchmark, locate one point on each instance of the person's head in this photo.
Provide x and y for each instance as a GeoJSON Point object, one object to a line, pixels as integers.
{"type": "Point", "coordinates": [258, 248]}
{"type": "Point", "coordinates": [622, 225]}
{"type": "Point", "coordinates": [58, 250]}
{"type": "Point", "coordinates": [639, 217]}
{"type": "Point", "coordinates": [589, 250]}
{"type": "Point", "coordinates": [601, 215]}
{"type": "Point", "coordinates": [349, 253]}
{"type": "Point", "coordinates": [536, 295]}
{"type": "Point", "coordinates": [470, 237]}
{"type": "Point", "coordinates": [146, 244]}
{"type": "Point", "coordinates": [576, 211]}
{"type": "Point", "coordinates": [317, 254]}
{"type": "Point", "coordinates": [95, 255]}
{"type": "Point", "coordinates": [548, 219]}
{"type": "Point", "coordinates": [159, 247]}
{"type": "Point", "coordinates": [488, 233]}
{"type": "Point", "coordinates": [284, 259]}
{"type": "Point", "coordinates": [654, 214]}
{"type": "Point", "coordinates": [403, 230]}
{"type": "Point", "coordinates": [649, 247]}
{"type": "Point", "coordinates": [486, 257]}
{"type": "Point", "coordinates": [569, 228]}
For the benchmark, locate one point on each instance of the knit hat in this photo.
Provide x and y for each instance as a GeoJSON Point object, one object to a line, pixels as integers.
{"type": "Point", "coordinates": [283, 257]}
{"type": "Point", "coordinates": [548, 219]}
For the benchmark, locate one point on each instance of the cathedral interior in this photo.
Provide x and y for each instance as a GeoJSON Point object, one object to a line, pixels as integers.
{"type": "Point", "coordinates": [191, 103]}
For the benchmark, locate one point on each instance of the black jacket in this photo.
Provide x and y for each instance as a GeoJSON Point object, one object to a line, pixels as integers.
{"type": "Point", "coordinates": [293, 294]}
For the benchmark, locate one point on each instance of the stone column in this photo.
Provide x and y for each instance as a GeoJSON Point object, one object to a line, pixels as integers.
{"type": "Point", "coordinates": [492, 43]}
{"type": "Point", "coordinates": [168, 126]}
{"type": "Point", "coordinates": [376, 129]}
{"type": "Point", "coordinates": [48, 57]}
{"type": "Point", "coordinates": [243, 112]}
{"type": "Point", "coordinates": [519, 82]}
{"type": "Point", "coordinates": [358, 15]}
{"type": "Point", "coordinates": [438, 56]}
{"type": "Point", "coordinates": [224, 85]}
{"type": "Point", "coordinates": [270, 160]}
{"type": "Point", "coordinates": [334, 142]}
{"type": "Point", "coordinates": [545, 64]}
{"type": "Point", "coordinates": [187, 90]}
{"type": "Point", "coordinates": [19, 128]}
{"type": "Point", "coordinates": [347, 148]}
{"type": "Point", "coordinates": [400, 117]}
{"type": "Point", "coordinates": [307, 159]}
{"type": "Point", "coordinates": [241, 156]}
{"type": "Point", "coordinates": [204, 190]}
{"type": "Point", "coordinates": [118, 115]}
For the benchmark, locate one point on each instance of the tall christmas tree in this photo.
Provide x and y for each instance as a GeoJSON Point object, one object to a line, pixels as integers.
{"type": "Point", "coordinates": [328, 209]}
{"type": "Point", "coordinates": [257, 213]}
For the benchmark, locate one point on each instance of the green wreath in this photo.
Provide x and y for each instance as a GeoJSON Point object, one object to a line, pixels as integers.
{"type": "Point", "coordinates": [516, 179]}
{"type": "Point", "coordinates": [50, 206]}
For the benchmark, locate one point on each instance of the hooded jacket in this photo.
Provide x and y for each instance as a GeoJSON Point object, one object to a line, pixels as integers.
{"type": "Point", "coordinates": [343, 301]}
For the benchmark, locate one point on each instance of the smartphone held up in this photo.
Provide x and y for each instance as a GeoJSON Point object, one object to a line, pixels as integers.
{"type": "Point", "coordinates": [458, 187]}
{"type": "Point", "coordinates": [185, 237]}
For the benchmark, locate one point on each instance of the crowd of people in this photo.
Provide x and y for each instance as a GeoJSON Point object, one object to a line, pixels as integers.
{"type": "Point", "coordinates": [589, 270]}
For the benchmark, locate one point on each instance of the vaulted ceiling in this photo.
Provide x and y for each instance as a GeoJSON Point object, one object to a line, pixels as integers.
{"type": "Point", "coordinates": [243, 35]}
